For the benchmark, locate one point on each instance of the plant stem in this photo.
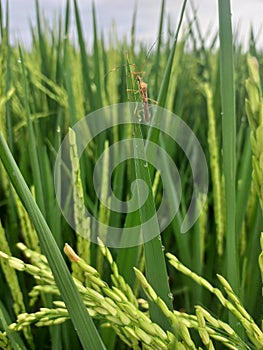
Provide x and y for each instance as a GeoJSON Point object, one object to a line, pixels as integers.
{"type": "Point", "coordinates": [229, 142]}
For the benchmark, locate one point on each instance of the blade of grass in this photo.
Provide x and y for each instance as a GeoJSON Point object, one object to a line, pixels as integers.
{"type": "Point", "coordinates": [133, 26]}
{"type": "Point", "coordinates": [229, 143]}
{"type": "Point", "coordinates": [158, 53]}
{"type": "Point", "coordinates": [128, 257]}
{"type": "Point", "coordinates": [32, 142]}
{"type": "Point", "coordinates": [6, 123]}
{"type": "Point", "coordinates": [41, 42]}
{"type": "Point", "coordinates": [155, 267]}
{"type": "Point", "coordinates": [163, 92]}
{"type": "Point", "coordinates": [84, 326]}
{"type": "Point", "coordinates": [69, 86]}
{"type": "Point", "coordinates": [153, 134]}
{"type": "Point", "coordinates": [84, 61]}
{"type": "Point", "coordinates": [155, 273]}
{"type": "Point", "coordinates": [97, 60]}
{"type": "Point", "coordinates": [8, 85]}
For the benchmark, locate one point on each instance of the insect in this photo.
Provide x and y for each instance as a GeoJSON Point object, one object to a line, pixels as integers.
{"type": "Point", "coordinates": [141, 88]}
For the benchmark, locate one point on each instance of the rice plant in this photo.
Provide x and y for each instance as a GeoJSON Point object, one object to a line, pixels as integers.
{"type": "Point", "coordinates": [197, 290]}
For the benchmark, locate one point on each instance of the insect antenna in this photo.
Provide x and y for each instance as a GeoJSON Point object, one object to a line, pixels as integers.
{"type": "Point", "coordinates": [149, 51]}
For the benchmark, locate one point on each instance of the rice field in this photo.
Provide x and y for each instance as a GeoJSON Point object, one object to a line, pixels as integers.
{"type": "Point", "coordinates": [191, 278]}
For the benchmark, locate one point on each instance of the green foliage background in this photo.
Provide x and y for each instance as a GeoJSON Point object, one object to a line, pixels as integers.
{"type": "Point", "coordinates": [47, 88]}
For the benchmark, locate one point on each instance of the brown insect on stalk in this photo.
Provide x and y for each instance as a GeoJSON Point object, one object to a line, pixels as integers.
{"type": "Point", "coordinates": [142, 90]}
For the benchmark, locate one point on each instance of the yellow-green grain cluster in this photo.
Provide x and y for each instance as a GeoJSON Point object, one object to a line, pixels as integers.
{"type": "Point", "coordinates": [5, 344]}
{"type": "Point", "coordinates": [218, 191]}
{"type": "Point", "coordinates": [232, 303]}
{"type": "Point", "coordinates": [12, 280]}
{"type": "Point", "coordinates": [118, 307]}
{"type": "Point", "coordinates": [254, 108]}
{"type": "Point", "coordinates": [110, 304]}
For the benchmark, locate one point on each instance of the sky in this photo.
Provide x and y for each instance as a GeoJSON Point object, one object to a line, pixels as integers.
{"type": "Point", "coordinates": [244, 13]}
